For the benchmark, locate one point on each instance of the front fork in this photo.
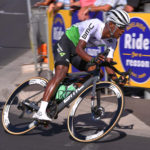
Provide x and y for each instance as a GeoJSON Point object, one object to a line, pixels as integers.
{"type": "Point", "coordinates": [96, 110]}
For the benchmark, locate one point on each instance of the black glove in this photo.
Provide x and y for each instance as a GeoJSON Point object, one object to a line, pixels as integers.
{"type": "Point", "coordinates": [98, 59]}
{"type": "Point", "coordinates": [121, 81]}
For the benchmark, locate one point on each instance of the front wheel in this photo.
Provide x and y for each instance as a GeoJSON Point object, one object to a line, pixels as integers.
{"type": "Point", "coordinates": [20, 106]}
{"type": "Point", "coordinates": [90, 120]}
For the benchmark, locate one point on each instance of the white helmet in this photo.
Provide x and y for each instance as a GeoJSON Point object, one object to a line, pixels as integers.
{"type": "Point", "coordinates": [119, 17]}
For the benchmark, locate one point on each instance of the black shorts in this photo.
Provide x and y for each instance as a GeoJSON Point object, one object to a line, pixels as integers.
{"type": "Point", "coordinates": [64, 54]}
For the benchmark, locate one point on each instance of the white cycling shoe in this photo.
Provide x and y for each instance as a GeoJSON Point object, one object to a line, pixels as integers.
{"type": "Point", "coordinates": [41, 116]}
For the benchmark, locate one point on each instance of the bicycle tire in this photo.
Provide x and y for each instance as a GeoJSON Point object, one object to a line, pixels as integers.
{"type": "Point", "coordinates": [17, 119]}
{"type": "Point", "coordinates": [80, 120]}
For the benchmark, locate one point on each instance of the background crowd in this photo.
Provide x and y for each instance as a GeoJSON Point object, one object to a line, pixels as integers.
{"type": "Point", "coordinates": [86, 6]}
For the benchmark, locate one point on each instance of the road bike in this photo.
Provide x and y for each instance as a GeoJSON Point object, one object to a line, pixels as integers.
{"type": "Point", "coordinates": [96, 109]}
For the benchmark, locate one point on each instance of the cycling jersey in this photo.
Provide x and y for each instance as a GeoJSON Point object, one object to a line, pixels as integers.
{"type": "Point", "coordinates": [91, 32]}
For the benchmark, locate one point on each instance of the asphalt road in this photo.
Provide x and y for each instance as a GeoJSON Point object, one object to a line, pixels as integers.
{"type": "Point", "coordinates": [14, 30]}
{"type": "Point", "coordinates": [57, 137]}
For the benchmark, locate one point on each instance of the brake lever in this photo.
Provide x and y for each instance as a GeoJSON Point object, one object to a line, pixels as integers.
{"type": "Point", "coordinates": [127, 73]}
{"type": "Point", "coordinates": [130, 72]}
{"type": "Point", "coordinates": [113, 63]}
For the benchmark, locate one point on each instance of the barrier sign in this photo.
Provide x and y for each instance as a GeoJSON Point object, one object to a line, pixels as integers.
{"type": "Point", "coordinates": [134, 50]}
{"type": "Point", "coordinates": [57, 27]}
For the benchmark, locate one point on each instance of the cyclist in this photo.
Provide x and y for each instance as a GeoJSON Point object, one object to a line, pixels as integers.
{"type": "Point", "coordinates": [70, 49]}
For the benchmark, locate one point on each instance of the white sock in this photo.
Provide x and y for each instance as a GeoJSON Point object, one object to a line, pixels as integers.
{"type": "Point", "coordinates": [43, 106]}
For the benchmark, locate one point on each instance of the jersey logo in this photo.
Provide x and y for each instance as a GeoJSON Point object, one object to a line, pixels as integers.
{"type": "Point", "coordinates": [62, 54]}
{"type": "Point", "coordinates": [84, 36]}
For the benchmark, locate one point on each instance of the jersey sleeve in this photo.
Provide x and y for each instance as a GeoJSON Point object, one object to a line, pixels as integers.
{"type": "Point", "coordinates": [90, 30]}
{"type": "Point", "coordinates": [111, 45]}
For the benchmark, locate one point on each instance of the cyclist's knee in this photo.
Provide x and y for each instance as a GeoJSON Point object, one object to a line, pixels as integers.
{"type": "Point", "coordinates": [60, 72]}
{"type": "Point", "coordinates": [92, 68]}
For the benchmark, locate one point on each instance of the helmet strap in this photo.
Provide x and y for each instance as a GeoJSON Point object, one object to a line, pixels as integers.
{"type": "Point", "coordinates": [111, 32]}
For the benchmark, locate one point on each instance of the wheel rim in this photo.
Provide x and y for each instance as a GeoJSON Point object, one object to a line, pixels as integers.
{"type": "Point", "coordinates": [14, 120]}
{"type": "Point", "coordinates": [78, 122]}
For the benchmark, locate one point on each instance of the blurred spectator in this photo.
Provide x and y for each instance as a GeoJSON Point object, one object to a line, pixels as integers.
{"type": "Point", "coordinates": [82, 4]}
{"type": "Point", "coordinates": [44, 3]}
{"type": "Point", "coordinates": [55, 5]}
{"type": "Point", "coordinates": [75, 4]}
{"type": "Point", "coordinates": [103, 5]}
{"type": "Point", "coordinates": [59, 4]}
{"type": "Point", "coordinates": [135, 5]}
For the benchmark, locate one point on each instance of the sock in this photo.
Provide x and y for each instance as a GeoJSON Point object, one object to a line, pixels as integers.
{"type": "Point", "coordinates": [43, 106]}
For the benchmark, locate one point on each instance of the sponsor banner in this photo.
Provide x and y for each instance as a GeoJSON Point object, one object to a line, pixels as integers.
{"type": "Point", "coordinates": [133, 50]}
{"type": "Point", "coordinates": [57, 26]}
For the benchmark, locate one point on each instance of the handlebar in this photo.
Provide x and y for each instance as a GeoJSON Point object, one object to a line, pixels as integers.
{"type": "Point", "coordinates": [111, 65]}
{"type": "Point", "coordinates": [105, 64]}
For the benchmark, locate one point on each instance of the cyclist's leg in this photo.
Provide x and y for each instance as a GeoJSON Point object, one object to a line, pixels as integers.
{"type": "Point", "coordinates": [60, 74]}
{"type": "Point", "coordinates": [62, 57]}
{"type": "Point", "coordinates": [81, 65]}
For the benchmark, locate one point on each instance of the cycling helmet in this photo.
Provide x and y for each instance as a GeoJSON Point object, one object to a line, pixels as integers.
{"type": "Point", "coordinates": [119, 17]}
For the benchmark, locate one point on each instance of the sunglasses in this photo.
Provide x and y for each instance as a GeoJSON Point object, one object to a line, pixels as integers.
{"type": "Point", "coordinates": [121, 27]}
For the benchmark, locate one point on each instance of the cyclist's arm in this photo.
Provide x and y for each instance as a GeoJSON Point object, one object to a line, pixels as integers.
{"type": "Point", "coordinates": [81, 52]}
{"type": "Point", "coordinates": [89, 30]}
{"type": "Point", "coordinates": [111, 46]}
{"type": "Point", "coordinates": [111, 73]}
{"type": "Point", "coordinates": [58, 6]}
{"type": "Point", "coordinates": [106, 7]}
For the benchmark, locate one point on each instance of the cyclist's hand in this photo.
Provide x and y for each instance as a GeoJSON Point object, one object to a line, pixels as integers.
{"type": "Point", "coordinates": [98, 59]}
{"type": "Point", "coordinates": [40, 4]}
{"type": "Point", "coordinates": [121, 80]}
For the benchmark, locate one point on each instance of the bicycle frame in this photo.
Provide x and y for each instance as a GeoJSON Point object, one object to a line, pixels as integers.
{"type": "Point", "coordinates": [95, 76]}
{"type": "Point", "coordinates": [90, 81]}
{"type": "Point", "coordinates": [79, 90]}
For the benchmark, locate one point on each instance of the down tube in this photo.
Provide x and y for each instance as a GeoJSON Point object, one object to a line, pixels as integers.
{"type": "Point", "coordinates": [74, 95]}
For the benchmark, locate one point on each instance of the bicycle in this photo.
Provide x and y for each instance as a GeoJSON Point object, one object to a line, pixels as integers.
{"type": "Point", "coordinates": [92, 115]}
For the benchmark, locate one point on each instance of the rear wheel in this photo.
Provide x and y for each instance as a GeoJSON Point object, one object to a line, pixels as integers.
{"type": "Point", "coordinates": [17, 112]}
{"type": "Point", "coordinates": [91, 120]}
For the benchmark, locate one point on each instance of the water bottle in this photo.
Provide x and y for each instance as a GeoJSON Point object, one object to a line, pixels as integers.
{"type": "Point", "coordinates": [64, 91]}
